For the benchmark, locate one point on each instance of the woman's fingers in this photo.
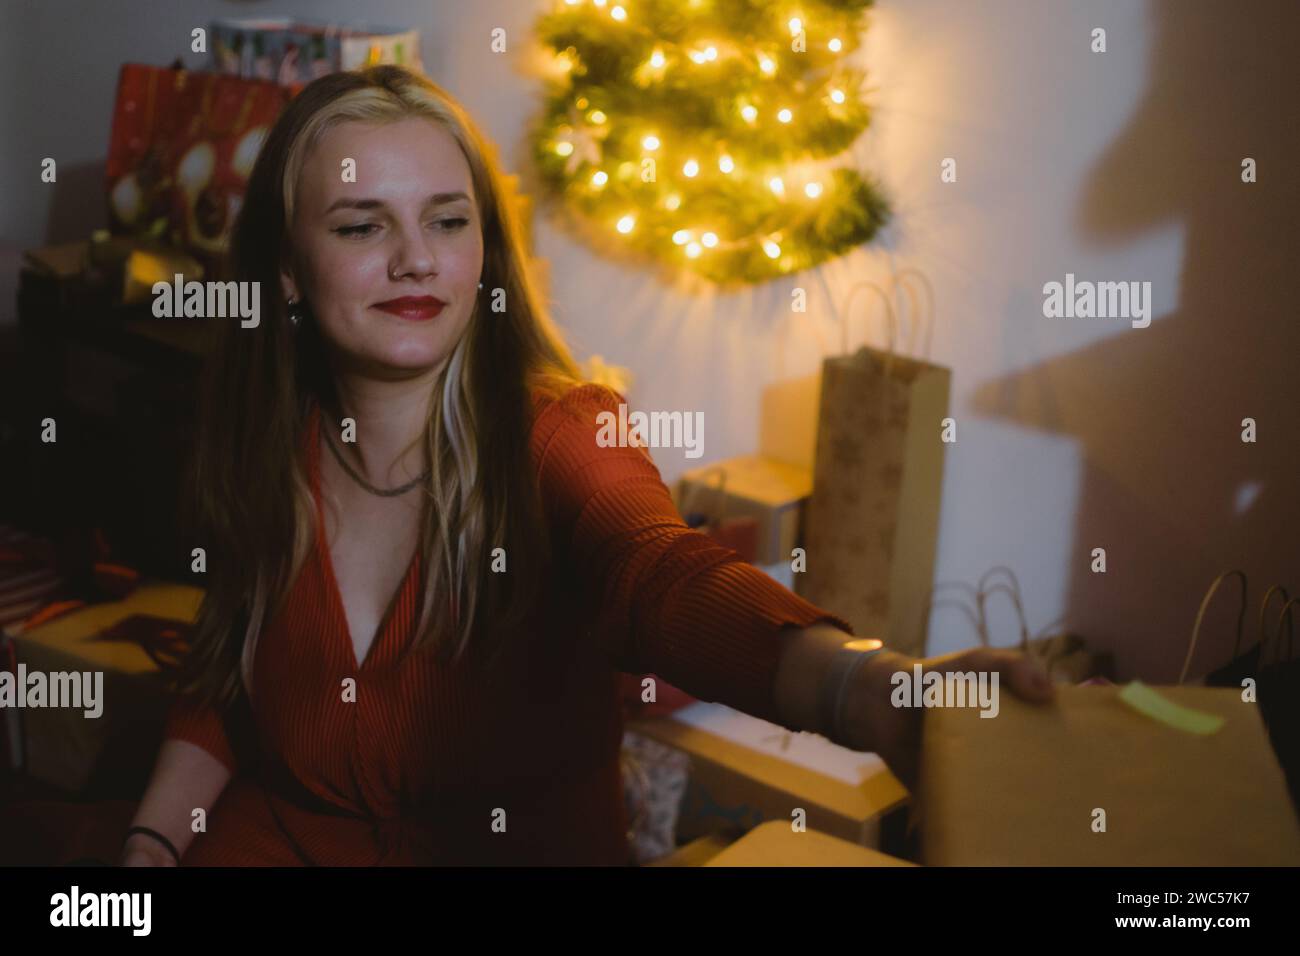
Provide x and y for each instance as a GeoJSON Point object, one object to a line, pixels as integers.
{"type": "Point", "coordinates": [1022, 674]}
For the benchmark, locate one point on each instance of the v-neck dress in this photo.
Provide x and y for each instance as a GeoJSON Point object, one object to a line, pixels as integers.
{"type": "Point", "coordinates": [426, 762]}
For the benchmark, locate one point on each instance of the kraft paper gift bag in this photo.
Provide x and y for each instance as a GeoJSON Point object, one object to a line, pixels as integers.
{"type": "Point", "coordinates": [872, 522]}
{"type": "Point", "coordinates": [1272, 668]}
{"type": "Point", "coordinates": [1024, 788]}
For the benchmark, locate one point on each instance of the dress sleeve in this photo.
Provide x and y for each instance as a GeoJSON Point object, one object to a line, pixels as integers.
{"type": "Point", "coordinates": [201, 725]}
{"type": "Point", "coordinates": [670, 600]}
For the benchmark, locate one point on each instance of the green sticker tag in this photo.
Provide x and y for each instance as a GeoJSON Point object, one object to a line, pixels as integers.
{"type": "Point", "coordinates": [1147, 701]}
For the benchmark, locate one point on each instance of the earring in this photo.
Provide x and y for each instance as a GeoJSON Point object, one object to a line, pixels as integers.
{"type": "Point", "coordinates": [480, 285]}
{"type": "Point", "coordinates": [294, 308]}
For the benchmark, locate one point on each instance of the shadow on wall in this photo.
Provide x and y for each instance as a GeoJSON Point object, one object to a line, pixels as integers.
{"type": "Point", "coordinates": [1168, 487]}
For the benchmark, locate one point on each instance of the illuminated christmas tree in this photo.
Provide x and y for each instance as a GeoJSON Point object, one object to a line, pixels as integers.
{"type": "Point", "coordinates": [710, 135]}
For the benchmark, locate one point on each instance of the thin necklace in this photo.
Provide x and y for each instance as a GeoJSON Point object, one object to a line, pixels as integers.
{"type": "Point", "coordinates": [382, 492]}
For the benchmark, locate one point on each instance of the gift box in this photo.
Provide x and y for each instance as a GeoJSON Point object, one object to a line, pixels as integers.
{"type": "Point", "coordinates": [1093, 780]}
{"type": "Point", "coordinates": [111, 754]}
{"type": "Point", "coordinates": [763, 492]}
{"type": "Point", "coordinates": [745, 771]}
{"type": "Point", "coordinates": [289, 51]}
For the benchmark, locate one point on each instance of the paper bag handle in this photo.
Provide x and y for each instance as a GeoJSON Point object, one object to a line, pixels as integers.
{"type": "Point", "coordinates": [1200, 616]}
{"type": "Point", "coordinates": [1290, 633]}
{"type": "Point", "coordinates": [1013, 590]}
{"type": "Point", "coordinates": [889, 315]}
{"type": "Point", "coordinates": [931, 604]}
{"type": "Point", "coordinates": [926, 318]}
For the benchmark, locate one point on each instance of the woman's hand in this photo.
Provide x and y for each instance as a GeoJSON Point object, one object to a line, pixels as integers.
{"type": "Point", "coordinates": [872, 723]}
{"type": "Point", "coordinates": [141, 850]}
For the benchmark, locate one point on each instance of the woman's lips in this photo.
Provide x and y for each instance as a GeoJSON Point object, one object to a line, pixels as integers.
{"type": "Point", "coordinates": [412, 308]}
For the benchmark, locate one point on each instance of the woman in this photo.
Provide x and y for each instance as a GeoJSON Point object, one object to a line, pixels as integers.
{"type": "Point", "coordinates": [424, 574]}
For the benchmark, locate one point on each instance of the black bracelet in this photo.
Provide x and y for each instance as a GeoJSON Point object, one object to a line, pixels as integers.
{"type": "Point", "coordinates": [160, 838]}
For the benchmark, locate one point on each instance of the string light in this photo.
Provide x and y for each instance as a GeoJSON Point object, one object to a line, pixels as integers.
{"type": "Point", "coordinates": [608, 147]}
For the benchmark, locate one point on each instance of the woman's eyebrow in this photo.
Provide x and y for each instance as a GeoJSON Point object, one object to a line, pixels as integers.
{"type": "Point", "coordinates": [437, 199]}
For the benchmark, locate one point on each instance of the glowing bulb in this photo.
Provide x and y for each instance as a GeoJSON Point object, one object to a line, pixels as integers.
{"type": "Point", "coordinates": [693, 250]}
{"type": "Point", "coordinates": [837, 96]}
{"type": "Point", "coordinates": [698, 57]}
{"type": "Point", "coordinates": [749, 112]}
{"type": "Point", "coordinates": [600, 178]}
{"type": "Point", "coordinates": [673, 201]}
{"type": "Point", "coordinates": [599, 3]}
{"type": "Point", "coordinates": [597, 117]}
{"type": "Point", "coordinates": [725, 163]}
{"type": "Point", "coordinates": [618, 13]}
{"type": "Point", "coordinates": [776, 185]}
{"type": "Point", "coordinates": [651, 142]}
{"type": "Point", "coordinates": [771, 248]}
{"type": "Point", "coordinates": [581, 103]}
{"type": "Point", "coordinates": [785, 116]}
{"type": "Point", "coordinates": [681, 237]}
{"type": "Point", "coordinates": [795, 25]}
{"type": "Point", "coordinates": [691, 168]}
{"type": "Point", "coordinates": [766, 65]}
{"type": "Point", "coordinates": [564, 149]}
{"type": "Point", "coordinates": [710, 239]}
{"type": "Point", "coordinates": [711, 53]}
{"type": "Point", "coordinates": [657, 58]}
{"type": "Point", "coordinates": [813, 190]}
{"type": "Point", "coordinates": [573, 3]}
{"type": "Point", "coordinates": [625, 224]}
{"type": "Point", "coordinates": [835, 45]}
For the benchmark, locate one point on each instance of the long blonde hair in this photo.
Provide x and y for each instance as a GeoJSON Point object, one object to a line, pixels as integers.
{"type": "Point", "coordinates": [251, 507]}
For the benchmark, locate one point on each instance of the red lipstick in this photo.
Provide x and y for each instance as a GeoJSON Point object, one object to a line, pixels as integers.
{"type": "Point", "coordinates": [413, 308]}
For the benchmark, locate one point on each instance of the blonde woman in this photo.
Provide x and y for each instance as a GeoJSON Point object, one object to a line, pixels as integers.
{"type": "Point", "coordinates": [424, 574]}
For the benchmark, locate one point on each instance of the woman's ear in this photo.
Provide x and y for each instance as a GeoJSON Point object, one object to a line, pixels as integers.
{"type": "Point", "coordinates": [288, 286]}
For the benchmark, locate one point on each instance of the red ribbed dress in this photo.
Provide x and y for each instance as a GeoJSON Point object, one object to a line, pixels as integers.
{"type": "Point", "coordinates": [429, 766]}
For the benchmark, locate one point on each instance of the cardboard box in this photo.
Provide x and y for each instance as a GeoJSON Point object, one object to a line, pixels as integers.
{"type": "Point", "coordinates": [1024, 788]}
{"type": "Point", "coordinates": [112, 753]}
{"type": "Point", "coordinates": [746, 771]}
{"type": "Point", "coordinates": [768, 490]}
{"type": "Point", "coordinates": [777, 844]}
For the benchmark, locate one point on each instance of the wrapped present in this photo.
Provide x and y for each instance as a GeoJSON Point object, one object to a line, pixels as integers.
{"type": "Point", "coordinates": [181, 150]}
{"type": "Point", "coordinates": [291, 51]}
{"type": "Point", "coordinates": [756, 506]}
{"type": "Point", "coordinates": [130, 642]}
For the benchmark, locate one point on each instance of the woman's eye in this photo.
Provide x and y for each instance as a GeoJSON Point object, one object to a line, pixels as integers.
{"type": "Point", "coordinates": [451, 225]}
{"type": "Point", "coordinates": [362, 229]}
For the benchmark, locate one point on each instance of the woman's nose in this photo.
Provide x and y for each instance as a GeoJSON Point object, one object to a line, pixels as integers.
{"type": "Point", "coordinates": [413, 257]}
